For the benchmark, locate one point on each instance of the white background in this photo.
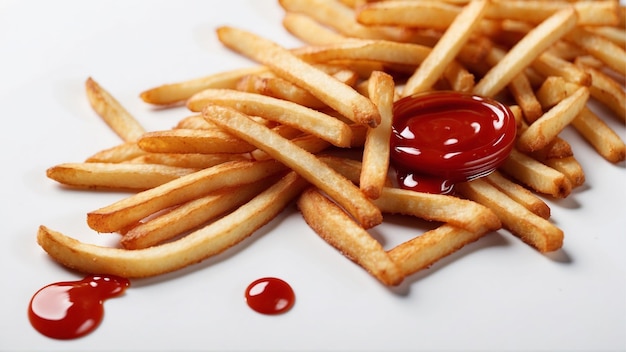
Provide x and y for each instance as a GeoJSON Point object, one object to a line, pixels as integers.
{"type": "Point", "coordinates": [496, 294]}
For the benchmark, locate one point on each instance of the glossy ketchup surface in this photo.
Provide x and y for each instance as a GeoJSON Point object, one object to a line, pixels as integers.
{"type": "Point", "coordinates": [442, 138]}
{"type": "Point", "coordinates": [71, 309]}
{"type": "Point", "coordinates": [270, 295]}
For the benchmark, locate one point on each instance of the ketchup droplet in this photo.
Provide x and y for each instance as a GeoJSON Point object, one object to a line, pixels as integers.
{"type": "Point", "coordinates": [270, 295]}
{"type": "Point", "coordinates": [71, 309]}
{"type": "Point", "coordinates": [442, 138]}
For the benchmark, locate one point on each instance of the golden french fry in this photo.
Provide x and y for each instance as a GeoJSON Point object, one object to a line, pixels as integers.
{"type": "Point", "coordinates": [117, 154]}
{"type": "Point", "coordinates": [335, 94]}
{"type": "Point", "coordinates": [531, 228]}
{"type": "Point", "coordinates": [446, 48]}
{"type": "Point", "coordinates": [305, 119]}
{"type": "Point", "coordinates": [341, 18]}
{"type": "Point", "coordinates": [188, 160]}
{"type": "Point", "coordinates": [112, 112]}
{"type": "Point", "coordinates": [596, 13]}
{"type": "Point", "coordinates": [536, 175]}
{"type": "Point", "coordinates": [617, 35]}
{"type": "Point", "coordinates": [520, 194]}
{"type": "Point", "coordinates": [189, 216]}
{"type": "Point", "coordinates": [550, 124]}
{"type": "Point", "coordinates": [193, 141]}
{"type": "Point", "coordinates": [600, 136]}
{"type": "Point", "coordinates": [179, 92]}
{"type": "Point", "coordinates": [570, 167]}
{"type": "Point", "coordinates": [437, 207]}
{"type": "Point", "coordinates": [376, 149]}
{"type": "Point", "coordinates": [524, 96]}
{"type": "Point", "coordinates": [526, 51]}
{"type": "Point", "coordinates": [331, 223]}
{"type": "Point", "coordinates": [129, 210]}
{"type": "Point", "coordinates": [304, 163]}
{"type": "Point", "coordinates": [193, 248]}
{"type": "Point", "coordinates": [423, 251]}
{"type": "Point", "coordinates": [310, 31]}
{"type": "Point", "coordinates": [115, 175]}
{"type": "Point", "coordinates": [279, 88]}
{"type": "Point", "coordinates": [435, 15]}
{"type": "Point", "coordinates": [551, 65]}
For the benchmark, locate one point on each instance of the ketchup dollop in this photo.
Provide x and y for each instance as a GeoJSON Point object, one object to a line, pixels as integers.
{"type": "Point", "coordinates": [442, 138]}
{"type": "Point", "coordinates": [71, 309]}
{"type": "Point", "coordinates": [270, 295]}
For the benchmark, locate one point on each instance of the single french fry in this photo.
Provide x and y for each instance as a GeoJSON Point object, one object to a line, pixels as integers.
{"type": "Point", "coordinates": [423, 251]}
{"type": "Point", "coordinates": [129, 210]}
{"type": "Point", "coordinates": [304, 163]}
{"type": "Point", "coordinates": [193, 141]}
{"type": "Point", "coordinates": [331, 223]}
{"type": "Point", "coordinates": [335, 94]}
{"type": "Point", "coordinates": [174, 93]}
{"type": "Point", "coordinates": [524, 96]}
{"type": "Point", "coordinates": [605, 141]}
{"type": "Point", "coordinates": [437, 207]}
{"type": "Point", "coordinates": [531, 228]}
{"type": "Point", "coordinates": [305, 119]}
{"type": "Point", "coordinates": [526, 51]}
{"type": "Point", "coordinates": [549, 125]}
{"type": "Point", "coordinates": [112, 112]}
{"type": "Point", "coordinates": [310, 143]}
{"type": "Point", "coordinates": [117, 154]}
{"type": "Point", "coordinates": [536, 175]}
{"type": "Point", "coordinates": [188, 160]}
{"type": "Point", "coordinates": [189, 216]}
{"type": "Point", "coordinates": [520, 194]}
{"type": "Point", "coordinates": [310, 31]}
{"type": "Point", "coordinates": [376, 150]}
{"type": "Point", "coordinates": [193, 248]}
{"type": "Point", "coordinates": [446, 48]}
{"type": "Point", "coordinates": [115, 175]}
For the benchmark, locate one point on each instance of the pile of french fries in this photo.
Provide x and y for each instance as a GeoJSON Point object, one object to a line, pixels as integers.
{"type": "Point", "coordinates": [258, 139]}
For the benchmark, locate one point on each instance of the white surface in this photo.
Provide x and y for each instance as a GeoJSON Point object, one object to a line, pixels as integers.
{"type": "Point", "coordinates": [496, 294]}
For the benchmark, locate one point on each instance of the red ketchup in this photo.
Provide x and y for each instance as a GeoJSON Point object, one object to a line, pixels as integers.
{"type": "Point", "coordinates": [270, 296]}
{"type": "Point", "coordinates": [71, 309]}
{"type": "Point", "coordinates": [441, 138]}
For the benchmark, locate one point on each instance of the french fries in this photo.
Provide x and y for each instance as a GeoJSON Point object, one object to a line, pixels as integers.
{"type": "Point", "coordinates": [112, 112]}
{"type": "Point", "coordinates": [261, 137]}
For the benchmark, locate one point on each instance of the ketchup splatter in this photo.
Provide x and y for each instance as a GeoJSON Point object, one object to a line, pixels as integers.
{"type": "Point", "coordinates": [71, 309]}
{"type": "Point", "coordinates": [442, 138]}
{"type": "Point", "coordinates": [270, 295]}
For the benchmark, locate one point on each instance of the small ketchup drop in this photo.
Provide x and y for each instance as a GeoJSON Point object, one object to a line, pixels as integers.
{"type": "Point", "coordinates": [71, 309]}
{"type": "Point", "coordinates": [442, 138]}
{"type": "Point", "coordinates": [270, 295]}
